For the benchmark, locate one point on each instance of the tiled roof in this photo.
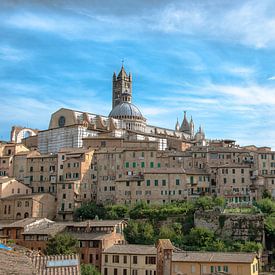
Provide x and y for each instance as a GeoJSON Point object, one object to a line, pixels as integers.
{"type": "Point", "coordinates": [165, 243]}
{"type": "Point", "coordinates": [96, 223]}
{"type": "Point", "coordinates": [165, 171]}
{"type": "Point", "coordinates": [222, 257]}
{"type": "Point", "coordinates": [89, 236]}
{"type": "Point", "coordinates": [12, 262]}
{"type": "Point", "coordinates": [49, 229]}
{"type": "Point", "coordinates": [59, 264]}
{"type": "Point", "coordinates": [20, 223]}
{"type": "Point", "coordinates": [131, 249]}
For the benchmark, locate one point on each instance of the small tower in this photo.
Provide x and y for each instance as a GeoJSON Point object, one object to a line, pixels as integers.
{"type": "Point", "coordinates": [177, 127]}
{"type": "Point", "coordinates": [185, 127]}
{"type": "Point", "coordinates": [122, 87]}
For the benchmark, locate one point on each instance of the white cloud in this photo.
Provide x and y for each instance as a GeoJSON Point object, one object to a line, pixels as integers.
{"type": "Point", "coordinates": [271, 78]}
{"type": "Point", "coordinates": [8, 53]}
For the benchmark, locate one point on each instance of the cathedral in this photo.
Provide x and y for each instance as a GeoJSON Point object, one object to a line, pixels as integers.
{"type": "Point", "coordinates": [67, 127]}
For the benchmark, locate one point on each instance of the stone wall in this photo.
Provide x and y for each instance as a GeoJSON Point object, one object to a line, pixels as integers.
{"type": "Point", "coordinates": [235, 226]}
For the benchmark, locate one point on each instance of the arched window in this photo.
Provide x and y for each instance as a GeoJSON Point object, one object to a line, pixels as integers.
{"type": "Point", "coordinates": [26, 215]}
{"type": "Point", "coordinates": [18, 215]}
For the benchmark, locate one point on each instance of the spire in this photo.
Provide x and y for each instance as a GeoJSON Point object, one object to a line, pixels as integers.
{"type": "Point", "coordinates": [177, 127]}
{"type": "Point", "coordinates": [185, 127]}
{"type": "Point", "coordinates": [122, 72]}
{"type": "Point", "coordinates": [192, 127]}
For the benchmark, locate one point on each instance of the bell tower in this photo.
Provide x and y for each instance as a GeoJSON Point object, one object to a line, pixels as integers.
{"type": "Point", "coordinates": [122, 87]}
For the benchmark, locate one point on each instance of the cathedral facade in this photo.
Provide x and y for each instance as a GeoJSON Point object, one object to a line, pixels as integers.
{"type": "Point", "coordinates": [68, 127]}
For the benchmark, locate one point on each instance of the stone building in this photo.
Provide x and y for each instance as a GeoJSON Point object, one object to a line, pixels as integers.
{"type": "Point", "coordinates": [7, 151]}
{"type": "Point", "coordinates": [16, 207]}
{"type": "Point", "coordinates": [67, 127]}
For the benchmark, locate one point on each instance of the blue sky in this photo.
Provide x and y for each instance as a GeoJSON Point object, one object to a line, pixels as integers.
{"type": "Point", "coordinates": [214, 59]}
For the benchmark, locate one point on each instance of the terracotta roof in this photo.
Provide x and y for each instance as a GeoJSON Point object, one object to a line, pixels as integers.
{"type": "Point", "coordinates": [15, 263]}
{"type": "Point", "coordinates": [222, 257]}
{"type": "Point", "coordinates": [131, 249]}
{"type": "Point", "coordinates": [58, 264]}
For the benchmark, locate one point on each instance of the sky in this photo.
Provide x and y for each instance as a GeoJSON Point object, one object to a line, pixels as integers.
{"type": "Point", "coordinates": [215, 59]}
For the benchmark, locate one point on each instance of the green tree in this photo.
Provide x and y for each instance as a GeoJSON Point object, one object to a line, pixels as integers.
{"type": "Point", "coordinates": [251, 247]}
{"type": "Point", "coordinates": [266, 205]}
{"type": "Point", "coordinates": [63, 243]}
{"type": "Point", "coordinates": [116, 211]}
{"type": "Point", "coordinates": [88, 269]}
{"type": "Point", "coordinates": [200, 239]}
{"type": "Point", "coordinates": [90, 211]}
{"type": "Point", "coordinates": [140, 232]}
{"type": "Point", "coordinates": [266, 194]}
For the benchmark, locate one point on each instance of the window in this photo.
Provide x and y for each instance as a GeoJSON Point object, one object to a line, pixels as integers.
{"type": "Point", "coordinates": [177, 182]}
{"type": "Point", "coordinates": [127, 164]}
{"type": "Point", "coordinates": [212, 268]}
{"type": "Point", "coordinates": [151, 164]}
{"type": "Point", "coordinates": [193, 269]}
{"type": "Point", "coordinates": [233, 171]}
{"type": "Point", "coordinates": [225, 268]}
{"type": "Point", "coordinates": [219, 268]}
{"type": "Point", "coordinates": [163, 182]}
{"type": "Point", "coordinates": [18, 191]}
{"type": "Point", "coordinates": [41, 178]}
{"type": "Point", "coordinates": [63, 186]}
{"type": "Point", "coordinates": [124, 271]}
{"type": "Point", "coordinates": [142, 165]}
{"type": "Point", "coordinates": [242, 180]}
{"type": "Point", "coordinates": [64, 196]}
{"type": "Point", "coordinates": [27, 204]}
{"type": "Point", "coordinates": [106, 258]}
{"type": "Point", "coordinates": [125, 259]}
{"type": "Point", "coordinates": [134, 272]}
{"type": "Point", "coordinates": [105, 271]}
{"type": "Point", "coordinates": [31, 169]}
{"type": "Point", "coordinates": [70, 205]}
{"type": "Point", "coordinates": [158, 164]}
{"type": "Point", "coordinates": [156, 182]}
{"type": "Point", "coordinates": [242, 171]}
{"type": "Point", "coordinates": [42, 168]}
{"type": "Point", "coordinates": [148, 182]}
{"type": "Point", "coordinates": [135, 260]}
{"type": "Point", "coordinates": [115, 271]}
{"type": "Point", "coordinates": [115, 258]}
{"type": "Point", "coordinates": [127, 183]}
{"type": "Point", "coordinates": [224, 180]}
{"type": "Point", "coordinates": [134, 164]}
{"type": "Point", "coordinates": [150, 260]}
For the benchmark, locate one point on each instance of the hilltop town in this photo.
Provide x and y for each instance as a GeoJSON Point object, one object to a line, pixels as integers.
{"type": "Point", "coordinates": [138, 199]}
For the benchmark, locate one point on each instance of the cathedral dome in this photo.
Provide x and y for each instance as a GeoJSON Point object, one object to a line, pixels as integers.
{"type": "Point", "coordinates": [126, 110]}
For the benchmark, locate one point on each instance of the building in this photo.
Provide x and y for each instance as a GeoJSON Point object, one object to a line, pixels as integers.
{"type": "Point", "coordinates": [195, 263]}
{"type": "Point", "coordinates": [67, 127]}
{"type": "Point", "coordinates": [129, 259]}
{"type": "Point", "coordinates": [10, 186]}
{"type": "Point", "coordinates": [19, 206]}
{"type": "Point", "coordinates": [176, 262]}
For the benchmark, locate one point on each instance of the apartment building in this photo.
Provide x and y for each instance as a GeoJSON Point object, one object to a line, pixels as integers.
{"type": "Point", "coordinates": [42, 173]}
{"type": "Point", "coordinates": [75, 185]}
{"type": "Point", "coordinates": [129, 259]}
